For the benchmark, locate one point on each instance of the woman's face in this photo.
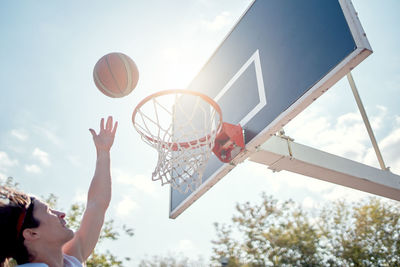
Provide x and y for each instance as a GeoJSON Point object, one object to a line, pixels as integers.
{"type": "Point", "coordinates": [52, 226]}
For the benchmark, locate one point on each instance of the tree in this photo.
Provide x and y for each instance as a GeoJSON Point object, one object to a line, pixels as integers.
{"type": "Point", "coordinates": [170, 260]}
{"type": "Point", "coordinates": [362, 234]}
{"type": "Point", "coordinates": [276, 233]}
{"type": "Point", "coordinates": [73, 218]}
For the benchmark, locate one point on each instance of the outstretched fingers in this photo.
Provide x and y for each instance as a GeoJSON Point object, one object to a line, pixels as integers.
{"type": "Point", "coordinates": [93, 132]}
{"type": "Point", "coordinates": [105, 138]}
{"type": "Point", "coordinates": [115, 128]}
{"type": "Point", "coordinates": [109, 123]}
{"type": "Point", "coordinates": [102, 124]}
{"type": "Point", "coordinates": [107, 127]}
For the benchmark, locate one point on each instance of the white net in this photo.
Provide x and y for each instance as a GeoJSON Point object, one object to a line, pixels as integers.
{"type": "Point", "coordinates": [182, 127]}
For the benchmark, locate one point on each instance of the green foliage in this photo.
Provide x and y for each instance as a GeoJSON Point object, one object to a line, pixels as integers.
{"type": "Point", "coordinates": [363, 234]}
{"type": "Point", "coordinates": [103, 260]}
{"type": "Point", "coordinates": [9, 182]}
{"type": "Point", "coordinates": [225, 246]}
{"type": "Point", "coordinates": [171, 261]}
{"type": "Point", "coordinates": [273, 233]}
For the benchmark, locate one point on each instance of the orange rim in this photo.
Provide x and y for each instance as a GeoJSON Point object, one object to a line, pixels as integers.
{"type": "Point", "coordinates": [175, 146]}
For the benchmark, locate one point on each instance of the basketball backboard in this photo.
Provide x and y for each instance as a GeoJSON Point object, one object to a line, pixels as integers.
{"type": "Point", "coordinates": [278, 58]}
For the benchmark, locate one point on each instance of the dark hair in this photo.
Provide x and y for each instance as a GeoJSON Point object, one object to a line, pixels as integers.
{"type": "Point", "coordinates": [16, 214]}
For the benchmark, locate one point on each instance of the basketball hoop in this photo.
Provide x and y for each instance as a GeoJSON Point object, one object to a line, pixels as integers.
{"type": "Point", "coordinates": [183, 127]}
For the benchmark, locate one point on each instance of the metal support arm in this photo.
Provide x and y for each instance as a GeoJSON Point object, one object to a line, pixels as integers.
{"type": "Point", "coordinates": [366, 121]}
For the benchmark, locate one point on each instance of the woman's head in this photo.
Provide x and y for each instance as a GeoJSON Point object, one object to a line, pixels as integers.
{"type": "Point", "coordinates": [52, 230]}
{"type": "Point", "coordinates": [16, 214]}
{"type": "Point", "coordinates": [26, 222]}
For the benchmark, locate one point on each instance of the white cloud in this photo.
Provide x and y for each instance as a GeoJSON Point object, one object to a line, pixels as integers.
{"type": "Point", "coordinates": [42, 156]}
{"type": "Point", "coordinates": [6, 162]}
{"type": "Point", "coordinates": [126, 206]}
{"type": "Point", "coordinates": [32, 168]}
{"type": "Point", "coordinates": [341, 192]}
{"type": "Point", "coordinates": [390, 147]}
{"type": "Point", "coordinates": [346, 136]}
{"type": "Point", "coordinates": [309, 183]}
{"type": "Point", "coordinates": [48, 134]}
{"type": "Point", "coordinates": [19, 134]}
{"type": "Point", "coordinates": [186, 245]}
{"type": "Point", "coordinates": [397, 119]}
{"type": "Point", "coordinates": [307, 126]}
{"type": "Point", "coordinates": [140, 182]}
{"type": "Point", "coordinates": [219, 22]}
{"type": "Point", "coordinates": [80, 196]}
{"type": "Point", "coordinates": [3, 177]}
{"type": "Point", "coordinates": [260, 170]}
{"type": "Point", "coordinates": [75, 160]}
{"type": "Point", "coordinates": [378, 121]}
{"type": "Point", "coordinates": [316, 185]}
{"type": "Point", "coordinates": [285, 179]}
{"type": "Point", "coordinates": [308, 203]}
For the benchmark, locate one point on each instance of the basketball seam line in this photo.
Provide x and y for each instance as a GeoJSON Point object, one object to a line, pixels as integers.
{"type": "Point", "coordinates": [128, 73]}
{"type": "Point", "coordinates": [112, 75]}
{"type": "Point", "coordinates": [99, 82]}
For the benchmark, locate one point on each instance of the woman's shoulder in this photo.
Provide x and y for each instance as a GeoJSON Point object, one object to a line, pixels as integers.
{"type": "Point", "coordinates": [33, 265]}
{"type": "Point", "coordinates": [71, 261]}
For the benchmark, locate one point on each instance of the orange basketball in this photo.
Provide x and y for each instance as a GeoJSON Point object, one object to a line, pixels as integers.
{"type": "Point", "coordinates": [115, 75]}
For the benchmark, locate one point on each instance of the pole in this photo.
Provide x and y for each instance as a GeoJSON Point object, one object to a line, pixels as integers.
{"type": "Point", "coordinates": [366, 121]}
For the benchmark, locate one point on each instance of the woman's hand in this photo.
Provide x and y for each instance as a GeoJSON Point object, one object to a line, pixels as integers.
{"type": "Point", "coordinates": [104, 140]}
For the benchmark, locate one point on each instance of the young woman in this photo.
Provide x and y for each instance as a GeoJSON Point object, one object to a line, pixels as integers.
{"type": "Point", "coordinates": [35, 235]}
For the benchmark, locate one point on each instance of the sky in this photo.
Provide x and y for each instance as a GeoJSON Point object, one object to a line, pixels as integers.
{"type": "Point", "coordinates": [49, 101]}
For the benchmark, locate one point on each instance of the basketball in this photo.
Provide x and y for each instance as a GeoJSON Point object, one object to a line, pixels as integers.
{"type": "Point", "coordinates": [115, 75]}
